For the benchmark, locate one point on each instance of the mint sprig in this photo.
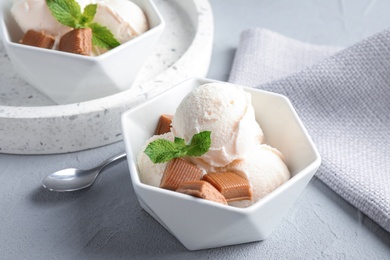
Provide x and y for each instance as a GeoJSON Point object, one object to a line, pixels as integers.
{"type": "Point", "coordinates": [88, 14]}
{"type": "Point", "coordinates": [102, 37]}
{"type": "Point", "coordinates": [162, 150]}
{"type": "Point", "coordinates": [68, 13]}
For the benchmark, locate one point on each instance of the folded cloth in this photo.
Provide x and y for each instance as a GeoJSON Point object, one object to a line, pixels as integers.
{"type": "Point", "coordinates": [264, 56]}
{"type": "Point", "coordinates": [344, 102]}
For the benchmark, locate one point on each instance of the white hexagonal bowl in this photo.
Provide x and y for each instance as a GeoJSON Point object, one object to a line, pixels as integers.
{"type": "Point", "coordinates": [198, 223]}
{"type": "Point", "coordinates": [69, 78]}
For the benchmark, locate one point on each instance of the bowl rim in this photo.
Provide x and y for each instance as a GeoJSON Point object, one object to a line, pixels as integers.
{"type": "Point", "coordinates": [159, 27]}
{"type": "Point", "coordinates": [137, 184]}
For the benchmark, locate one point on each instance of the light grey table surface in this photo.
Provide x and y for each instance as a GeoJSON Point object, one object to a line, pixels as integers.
{"type": "Point", "coordinates": [106, 221]}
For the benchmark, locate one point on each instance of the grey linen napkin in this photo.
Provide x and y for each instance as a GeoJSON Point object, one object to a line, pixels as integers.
{"type": "Point", "coordinates": [344, 102]}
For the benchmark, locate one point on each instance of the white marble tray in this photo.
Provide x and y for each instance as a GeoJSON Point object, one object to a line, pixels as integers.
{"type": "Point", "coordinates": [32, 124]}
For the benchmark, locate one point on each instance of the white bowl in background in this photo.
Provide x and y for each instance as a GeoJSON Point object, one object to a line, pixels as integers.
{"type": "Point", "coordinates": [198, 223]}
{"type": "Point", "coordinates": [70, 78]}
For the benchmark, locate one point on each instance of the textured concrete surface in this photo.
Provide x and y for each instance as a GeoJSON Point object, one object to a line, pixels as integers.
{"type": "Point", "coordinates": [106, 222]}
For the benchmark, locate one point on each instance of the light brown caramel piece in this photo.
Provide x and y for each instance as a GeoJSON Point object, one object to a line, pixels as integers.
{"type": "Point", "coordinates": [232, 186]}
{"type": "Point", "coordinates": [202, 189]}
{"type": "Point", "coordinates": [78, 41]}
{"type": "Point", "coordinates": [164, 124]}
{"type": "Point", "coordinates": [179, 171]}
{"type": "Point", "coordinates": [38, 39]}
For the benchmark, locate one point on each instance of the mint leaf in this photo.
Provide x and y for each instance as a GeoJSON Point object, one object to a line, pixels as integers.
{"type": "Point", "coordinates": [179, 141]}
{"type": "Point", "coordinates": [88, 15]}
{"type": "Point", "coordinates": [162, 150]}
{"type": "Point", "coordinates": [200, 144]}
{"type": "Point", "coordinates": [102, 37]}
{"type": "Point", "coordinates": [66, 12]}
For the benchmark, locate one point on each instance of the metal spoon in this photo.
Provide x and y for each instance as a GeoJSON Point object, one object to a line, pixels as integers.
{"type": "Point", "coordinates": [75, 179]}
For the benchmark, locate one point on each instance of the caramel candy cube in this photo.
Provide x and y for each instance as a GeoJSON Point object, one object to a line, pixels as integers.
{"type": "Point", "coordinates": [178, 171]}
{"type": "Point", "coordinates": [38, 39]}
{"type": "Point", "coordinates": [202, 189]}
{"type": "Point", "coordinates": [232, 186]}
{"type": "Point", "coordinates": [164, 124]}
{"type": "Point", "coordinates": [78, 41]}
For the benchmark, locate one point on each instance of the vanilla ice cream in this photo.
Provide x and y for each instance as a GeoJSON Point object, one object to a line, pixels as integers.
{"type": "Point", "coordinates": [226, 111]}
{"type": "Point", "coordinates": [151, 173]}
{"type": "Point", "coordinates": [123, 18]}
{"type": "Point", "coordinates": [264, 168]}
{"type": "Point", "coordinates": [35, 15]}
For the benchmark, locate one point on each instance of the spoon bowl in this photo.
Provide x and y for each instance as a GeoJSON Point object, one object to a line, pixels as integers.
{"type": "Point", "coordinates": [73, 179]}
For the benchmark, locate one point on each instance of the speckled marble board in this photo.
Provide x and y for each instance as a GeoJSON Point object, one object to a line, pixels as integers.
{"type": "Point", "coordinates": [30, 123]}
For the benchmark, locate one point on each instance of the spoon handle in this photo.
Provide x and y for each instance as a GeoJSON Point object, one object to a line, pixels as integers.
{"type": "Point", "coordinates": [115, 158]}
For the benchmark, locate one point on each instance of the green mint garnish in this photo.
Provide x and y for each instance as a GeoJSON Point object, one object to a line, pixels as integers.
{"type": "Point", "coordinates": [68, 13]}
{"type": "Point", "coordinates": [162, 150]}
{"type": "Point", "coordinates": [88, 15]}
{"type": "Point", "coordinates": [102, 37]}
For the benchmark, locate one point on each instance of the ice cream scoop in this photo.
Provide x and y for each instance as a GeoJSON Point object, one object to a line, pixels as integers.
{"type": "Point", "coordinates": [226, 111]}
{"type": "Point", "coordinates": [151, 173]}
{"type": "Point", "coordinates": [123, 18]}
{"type": "Point", "coordinates": [264, 168]}
{"type": "Point", "coordinates": [34, 14]}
